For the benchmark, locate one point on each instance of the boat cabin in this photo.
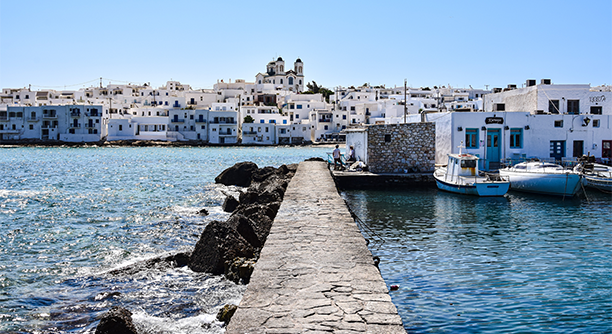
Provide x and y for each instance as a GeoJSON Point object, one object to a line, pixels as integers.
{"type": "Point", "coordinates": [462, 164]}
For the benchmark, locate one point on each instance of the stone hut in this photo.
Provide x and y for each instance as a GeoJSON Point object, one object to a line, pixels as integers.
{"type": "Point", "coordinates": [395, 148]}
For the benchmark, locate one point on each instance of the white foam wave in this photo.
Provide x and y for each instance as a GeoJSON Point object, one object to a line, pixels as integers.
{"type": "Point", "coordinates": [20, 193]}
{"type": "Point", "coordinates": [200, 324]}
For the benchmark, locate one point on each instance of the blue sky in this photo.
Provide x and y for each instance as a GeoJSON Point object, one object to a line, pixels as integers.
{"type": "Point", "coordinates": [57, 44]}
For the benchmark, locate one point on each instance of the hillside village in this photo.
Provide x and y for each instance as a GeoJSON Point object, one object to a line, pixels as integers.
{"type": "Point", "coordinates": [539, 119]}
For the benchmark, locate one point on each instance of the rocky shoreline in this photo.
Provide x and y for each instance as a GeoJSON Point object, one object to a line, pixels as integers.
{"type": "Point", "coordinates": [228, 247]}
{"type": "Point", "coordinates": [132, 143]}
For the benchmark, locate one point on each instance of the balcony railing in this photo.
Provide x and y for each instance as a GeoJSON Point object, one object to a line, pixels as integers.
{"type": "Point", "coordinates": [75, 114]}
{"type": "Point", "coordinates": [90, 126]}
{"type": "Point", "coordinates": [223, 122]}
{"type": "Point", "coordinates": [92, 114]}
{"type": "Point", "coordinates": [249, 132]}
{"type": "Point", "coordinates": [33, 119]}
{"type": "Point", "coordinates": [49, 115]}
{"type": "Point", "coordinates": [200, 120]}
{"type": "Point", "coordinates": [177, 120]}
{"type": "Point", "coordinates": [325, 120]}
{"type": "Point", "coordinates": [75, 126]}
{"type": "Point", "coordinates": [49, 126]}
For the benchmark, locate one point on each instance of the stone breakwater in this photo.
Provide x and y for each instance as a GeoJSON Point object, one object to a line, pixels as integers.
{"type": "Point", "coordinates": [315, 272]}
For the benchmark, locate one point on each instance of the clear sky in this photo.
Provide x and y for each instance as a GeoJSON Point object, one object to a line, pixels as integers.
{"type": "Point", "coordinates": [71, 44]}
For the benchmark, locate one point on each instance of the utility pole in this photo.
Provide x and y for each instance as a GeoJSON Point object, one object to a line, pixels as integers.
{"type": "Point", "coordinates": [405, 102]}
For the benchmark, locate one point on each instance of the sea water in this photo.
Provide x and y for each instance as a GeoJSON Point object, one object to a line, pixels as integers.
{"type": "Point", "coordinates": [515, 264]}
{"type": "Point", "coordinates": [69, 217]}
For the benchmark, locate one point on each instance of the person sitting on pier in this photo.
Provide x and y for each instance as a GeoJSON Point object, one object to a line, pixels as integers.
{"type": "Point", "coordinates": [337, 159]}
{"type": "Point", "coordinates": [351, 155]}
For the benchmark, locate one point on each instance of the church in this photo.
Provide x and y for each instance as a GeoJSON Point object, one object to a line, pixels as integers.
{"type": "Point", "coordinates": [291, 80]}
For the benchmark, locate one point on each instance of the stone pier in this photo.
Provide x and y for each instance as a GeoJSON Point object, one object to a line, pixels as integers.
{"type": "Point", "coordinates": [315, 273]}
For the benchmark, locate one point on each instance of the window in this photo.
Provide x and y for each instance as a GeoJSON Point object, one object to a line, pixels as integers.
{"type": "Point", "coordinates": [471, 138]}
{"type": "Point", "coordinates": [120, 127]}
{"type": "Point", "coordinates": [326, 127]}
{"type": "Point", "coordinates": [387, 138]}
{"type": "Point", "coordinates": [343, 116]}
{"type": "Point", "coordinates": [262, 121]}
{"type": "Point", "coordinates": [299, 106]}
{"type": "Point", "coordinates": [290, 80]}
{"type": "Point", "coordinates": [352, 108]}
{"type": "Point", "coordinates": [596, 110]}
{"type": "Point", "coordinates": [553, 106]}
{"type": "Point", "coordinates": [31, 126]}
{"type": "Point", "coordinates": [559, 123]}
{"type": "Point", "coordinates": [516, 138]}
{"type": "Point", "coordinates": [573, 107]}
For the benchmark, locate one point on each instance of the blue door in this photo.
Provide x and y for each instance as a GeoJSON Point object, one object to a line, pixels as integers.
{"type": "Point", "coordinates": [493, 149]}
{"type": "Point", "coordinates": [557, 149]}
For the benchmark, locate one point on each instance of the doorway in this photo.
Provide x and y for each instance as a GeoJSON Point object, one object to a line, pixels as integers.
{"type": "Point", "coordinates": [557, 149]}
{"type": "Point", "coordinates": [493, 149]}
{"type": "Point", "coordinates": [578, 148]}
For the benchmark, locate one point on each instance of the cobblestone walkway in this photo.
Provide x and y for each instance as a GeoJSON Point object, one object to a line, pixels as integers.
{"type": "Point", "coordinates": [315, 273]}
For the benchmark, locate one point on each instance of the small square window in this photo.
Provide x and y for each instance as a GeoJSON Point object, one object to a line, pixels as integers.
{"type": "Point", "coordinates": [559, 124]}
{"type": "Point", "coordinates": [595, 123]}
{"type": "Point", "coordinates": [387, 138]}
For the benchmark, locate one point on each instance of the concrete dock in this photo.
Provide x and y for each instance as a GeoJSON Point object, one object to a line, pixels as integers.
{"type": "Point", "coordinates": [315, 273]}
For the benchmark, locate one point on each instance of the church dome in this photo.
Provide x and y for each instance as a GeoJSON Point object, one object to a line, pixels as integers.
{"type": "Point", "coordinates": [280, 59]}
{"type": "Point", "coordinates": [298, 60]}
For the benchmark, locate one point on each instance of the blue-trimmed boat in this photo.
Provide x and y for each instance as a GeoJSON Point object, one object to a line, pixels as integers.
{"type": "Point", "coordinates": [461, 176]}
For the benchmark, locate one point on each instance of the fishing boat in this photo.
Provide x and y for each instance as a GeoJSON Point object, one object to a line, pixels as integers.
{"type": "Point", "coordinates": [596, 176]}
{"type": "Point", "coordinates": [461, 176]}
{"type": "Point", "coordinates": [542, 178]}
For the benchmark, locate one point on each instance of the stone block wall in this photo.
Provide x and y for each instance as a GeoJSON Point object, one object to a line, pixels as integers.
{"type": "Point", "coordinates": [402, 148]}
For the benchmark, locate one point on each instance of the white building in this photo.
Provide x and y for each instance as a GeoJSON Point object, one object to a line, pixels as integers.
{"type": "Point", "coordinates": [223, 127]}
{"type": "Point", "coordinates": [290, 80]}
{"type": "Point", "coordinates": [548, 98]}
{"type": "Point", "coordinates": [72, 123]}
{"type": "Point", "coordinates": [503, 136]}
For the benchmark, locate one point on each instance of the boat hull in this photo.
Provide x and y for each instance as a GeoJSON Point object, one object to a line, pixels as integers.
{"type": "Point", "coordinates": [485, 189]}
{"type": "Point", "coordinates": [558, 184]}
{"type": "Point", "coordinates": [600, 183]}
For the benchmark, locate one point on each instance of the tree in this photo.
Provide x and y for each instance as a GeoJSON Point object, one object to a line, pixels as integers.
{"type": "Point", "coordinates": [248, 119]}
{"type": "Point", "coordinates": [313, 88]}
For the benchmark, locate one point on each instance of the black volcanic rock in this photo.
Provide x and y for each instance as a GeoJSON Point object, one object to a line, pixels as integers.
{"type": "Point", "coordinates": [218, 243]}
{"type": "Point", "coordinates": [116, 321]}
{"type": "Point", "coordinates": [240, 174]}
{"type": "Point", "coordinates": [230, 204]}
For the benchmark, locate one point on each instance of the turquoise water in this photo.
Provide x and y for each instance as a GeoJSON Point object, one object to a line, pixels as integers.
{"type": "Point", "coordinates": [68, 216]}
{"type": "Point", "coordinates": [517, 264]}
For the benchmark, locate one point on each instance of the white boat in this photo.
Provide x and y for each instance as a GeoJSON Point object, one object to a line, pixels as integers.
{"type": "Point", "coordinates": [542, 178]}
{"type": "Point", "coordinates": [596, 176]}
{"type": "Point", "coordinates": [461, 176]}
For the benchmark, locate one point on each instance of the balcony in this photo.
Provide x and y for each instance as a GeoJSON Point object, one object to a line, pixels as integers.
{"type": "Point", "coordinates": [322, 120]}
{"type": "Point", "coordinates": [177, 120]}
{"type": "Point", "coordinates": [33, 119]}
{"type": "Point", "coordinates": [75, 114]}
{"type": "Point", "coordinates": [4, 119]}
{"type": "Point", "coordinates": [200, 120]}
{"type": "Point", "coordinates": [90, 126]}
{"type": "Point", "coordinates": [47, 126]}
{"type": "Point", "coordinates": [249, 133]}
{"type": "Point", "coordinates": [75, 126]}
{"type": "Point", "coordinates": [10, 131]}
{"type": "Point", "coordinates": [223, 122]}
{"type": "Point", "coordinates": [92, 114]}
{"type": "Point", "coordinates": [49, 115]}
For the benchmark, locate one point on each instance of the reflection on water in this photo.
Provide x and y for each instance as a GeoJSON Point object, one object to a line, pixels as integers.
{"type": "Point", "coordinates": [518, 263]}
